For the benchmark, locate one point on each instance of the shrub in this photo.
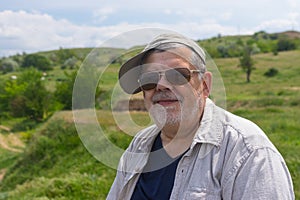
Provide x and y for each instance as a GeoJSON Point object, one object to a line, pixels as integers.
{"type": "Point", "coordinates": [8, 65]}
{"type": "Point", "coordinates": [271, 72]}
{"type": "Point", "coordinates": [44, 150]}
{"type": "Point", "coordinates": [37, 61]}
{"type": "Point", "coordinates": [285, 44]}
{"type": "Point", "coordinates": [27, 96]}
{"type": "Point", "coordinates": [70, 63]}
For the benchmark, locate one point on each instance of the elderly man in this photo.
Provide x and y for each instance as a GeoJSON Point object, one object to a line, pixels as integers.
{"type": "Point", "coordinates": [195, 150]}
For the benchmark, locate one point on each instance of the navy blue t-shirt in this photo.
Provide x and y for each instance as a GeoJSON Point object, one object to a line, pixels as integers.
{"type": "Point", "coordinates": [157, 179]}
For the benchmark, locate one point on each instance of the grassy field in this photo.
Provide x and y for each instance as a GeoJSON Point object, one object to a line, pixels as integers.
{"type": "Point", "coordinates": [272, 103]}
{"type": "Point", "coordinates": [56, 165]}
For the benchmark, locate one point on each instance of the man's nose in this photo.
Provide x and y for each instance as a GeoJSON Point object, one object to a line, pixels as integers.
{"type": "Point", "coordinates": [163, 83]}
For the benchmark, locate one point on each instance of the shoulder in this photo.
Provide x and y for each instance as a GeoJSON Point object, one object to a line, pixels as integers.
{"type": "Point", "coordinates": [143, 140]}
{"type": "Point", "coordinates": [135, 156]}
{"type": "Point", "coordinates": [245, 132]}
{"type": "Point", "coordinates": [231, 130]}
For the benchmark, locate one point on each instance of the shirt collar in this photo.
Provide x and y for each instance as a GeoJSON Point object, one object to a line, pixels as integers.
{"type": "Point", "coordinates": [211, 126]}
{"type": "Point", "coordinates": [209, 131]}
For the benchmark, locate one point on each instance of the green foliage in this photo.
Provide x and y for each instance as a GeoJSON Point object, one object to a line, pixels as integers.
{"type": "Point", "coordinates": [70, 63]}
{"type": "Point", "coordinates": [3, 101]}
{"type": "Point", "coordinates": [25, 125]}
{"type": "Point", "coordinates": [44, 150]}
{"type": "Point", "coordinates": [8, 65]}
{"type": "Point", "coordinates": [37, 61]}
{"type": "Point", "coordinates": [86, 90]}
{"type": "Point", "coordinates": [72, 186]}
{"type": "Point", "coordinates": [27, 96]}
{"type": "Point", "coordinates": [56, 165]}
{"type": "Point", "coordinates": [64, 90]}
{"type": "Point", "coordinates": [231, 46]}
{"type": "Point", "coordinates": [285, 44]}
{"type": "Point", "coordinates": [246, 61]}
{"type": "Point", "coordinates": [63, 55]}
{"type": "Point", "coordinates": [271, 72]}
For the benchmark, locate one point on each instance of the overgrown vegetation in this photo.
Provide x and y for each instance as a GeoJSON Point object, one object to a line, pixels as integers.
{"type": "Point", "coordinates": [246, 62]}
{"type": "Point", "coordinates": [56, 165]}
{"type": "Point", "coordinates": [260, 42]}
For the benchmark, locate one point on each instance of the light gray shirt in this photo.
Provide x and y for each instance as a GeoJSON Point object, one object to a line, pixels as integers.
{"type": "Point", "coordinates": [230, 158]}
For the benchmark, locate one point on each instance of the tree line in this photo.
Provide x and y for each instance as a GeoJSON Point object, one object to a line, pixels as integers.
{"type": "Point", "coordinates": [260, 42]}
{"type": "Point", "coordinates": [28, 96]}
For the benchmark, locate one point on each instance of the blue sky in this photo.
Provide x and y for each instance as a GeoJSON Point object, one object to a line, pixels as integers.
{"type": "Point", "coordinates": [35, 25]}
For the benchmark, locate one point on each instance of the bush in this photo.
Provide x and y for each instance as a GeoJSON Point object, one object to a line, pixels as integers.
{"type": "Point", "coordinates": [44, 150]}
{"type": "Point", "coordinates": [37, 61]}
{"type": "Point", "coordinates": [285, 44]}
{"type": "Point", "coordinates": [70, 63]}
{"type": "Point", "coordinates": [271, 72]}
{"type": "Point", "coordinates": [27, 96]}
{"type": "Point", "coordinates": [24, 125]}
{"type": "Point", "coordinates": [64, 90]}
{"type": "Point", "coordinates": [8, 65]}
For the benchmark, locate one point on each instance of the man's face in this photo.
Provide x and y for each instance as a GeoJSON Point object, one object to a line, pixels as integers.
{"type": "Point", "coordinates": [169, 104]}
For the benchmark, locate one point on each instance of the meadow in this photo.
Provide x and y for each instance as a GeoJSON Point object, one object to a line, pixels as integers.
{"type": "Point", "coordinates": [55, 164]}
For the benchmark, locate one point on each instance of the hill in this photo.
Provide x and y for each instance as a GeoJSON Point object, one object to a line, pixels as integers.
{"type": "Point", "coordinates": [56, 165]}
{"type": "Point", "coordinates": [291, 34]}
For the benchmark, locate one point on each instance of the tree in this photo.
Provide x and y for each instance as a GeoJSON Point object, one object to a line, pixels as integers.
{"type": "Point", "coordinates": [8, 65]}
{"type": "Point", "coordinates": [64, 54]}
{"type": "Point", "coordinates": [64, 89]}
{"type": "Point", "coordinates": [37, 61]}
{"type": "Point", "coordinates": [27, 96]}
{"type": "Point", "coordinates": [70, 63]}
{"type": "Point", "coordinates": [246, 62]}
{"type": "Point", "coordinates": [285, 44]}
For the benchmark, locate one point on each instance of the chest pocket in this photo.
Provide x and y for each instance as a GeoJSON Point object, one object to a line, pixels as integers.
{"type": "Point", "coordinates": [201, 194]}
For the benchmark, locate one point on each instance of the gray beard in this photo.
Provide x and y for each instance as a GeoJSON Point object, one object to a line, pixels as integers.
{"type": "Point", "coordinates": [174, 116]}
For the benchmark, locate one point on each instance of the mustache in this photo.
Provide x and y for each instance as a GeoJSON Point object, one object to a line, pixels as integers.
{"type": "Point", "coordinates": [165, 95]}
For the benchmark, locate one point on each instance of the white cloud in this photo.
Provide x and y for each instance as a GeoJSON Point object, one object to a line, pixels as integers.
{"type": "Point", "coordinates": [293, 15]}
{"type": "Point", "coordinates": [34, 31]}
{"type": "Point", "coordinates": [24, 31]}
{"type": "Point", "coordinates": [167, 11]}
{"type": "Point", "coordinates": [293, 3]}
{"type": "Point", "coordinates": [103, 13]}
{"type": "Point", "coordinates": [226, 16]}
{"type": "Point", "coordinates": [278, 25]}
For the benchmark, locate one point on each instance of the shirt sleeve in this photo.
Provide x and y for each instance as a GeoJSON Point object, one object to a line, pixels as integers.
{"type": "Point", "coordinates": [263, 175]}
{"type": "Point", "coordinates": [116, 187]}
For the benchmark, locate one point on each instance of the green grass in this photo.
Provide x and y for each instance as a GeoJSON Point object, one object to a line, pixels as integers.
{"type": "Point", "coordinates": [7, 158]}
{"type": "Point", "coordinates": [272, 103]}
{"type": "Point", "coordinates": [56, 165]}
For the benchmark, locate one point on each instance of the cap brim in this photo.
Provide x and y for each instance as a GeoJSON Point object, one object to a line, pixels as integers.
{"type": "Point", "coordinates": [129, 74]}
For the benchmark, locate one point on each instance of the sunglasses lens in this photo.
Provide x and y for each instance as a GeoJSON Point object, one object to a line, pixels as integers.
{"type": "Point", "coordinates": [148, 81]}
{"type": "Point", "coordinates": [178, 76]}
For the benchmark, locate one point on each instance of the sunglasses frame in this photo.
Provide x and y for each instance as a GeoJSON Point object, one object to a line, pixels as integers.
{"type": "Point", "coordinates": [187, 77]}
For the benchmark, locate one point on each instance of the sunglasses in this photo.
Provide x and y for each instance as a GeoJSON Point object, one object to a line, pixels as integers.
{"type": "Point", "coordinates": [175, 76]}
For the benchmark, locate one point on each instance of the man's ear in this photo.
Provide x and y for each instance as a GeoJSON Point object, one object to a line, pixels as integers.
{"type": "Point", "coordinates": [207, 83]}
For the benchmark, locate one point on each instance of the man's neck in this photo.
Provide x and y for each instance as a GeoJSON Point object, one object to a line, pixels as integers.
{"type": "Point", "coordinates": [176, 142]}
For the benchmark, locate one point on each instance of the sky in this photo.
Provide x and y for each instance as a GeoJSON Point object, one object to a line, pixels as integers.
{"type": "Point", "coordinates": [37, 25]}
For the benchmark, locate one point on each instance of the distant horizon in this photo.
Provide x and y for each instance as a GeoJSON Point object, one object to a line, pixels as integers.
{"type": "Point", "coordinates": [126, 48]}
{"type": "Point", "coordinates": [40, 26]}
